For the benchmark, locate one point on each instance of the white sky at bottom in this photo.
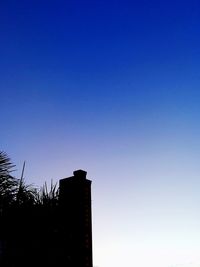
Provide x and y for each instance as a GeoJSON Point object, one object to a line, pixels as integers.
{"type": "Point", "coordinates": [112, 255]}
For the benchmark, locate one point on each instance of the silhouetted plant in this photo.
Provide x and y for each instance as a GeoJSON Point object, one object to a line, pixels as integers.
{"type": "Point", "coordinates": [25, 210]}
{"type": "Point", "coordinates": [17, 192]}
{"type": "Point", "coordinates": [26, 193]}
{"type": "Point", "coordinates": [8, 184]}
{"type": "Point", "coordinates": [48, 197]}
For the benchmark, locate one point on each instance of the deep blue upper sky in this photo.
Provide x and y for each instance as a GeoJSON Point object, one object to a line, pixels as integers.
{"type": "Point", "coordinates": [98, 39]}
{"type": "Point", "coordinates": [111, 87]}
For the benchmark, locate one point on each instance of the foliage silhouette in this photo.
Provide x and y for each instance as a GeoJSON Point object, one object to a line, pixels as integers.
{"type": "Point", "coordinates": [16, 192]}
{"type": "Point", "coordinates": [26, 213]}
{"type": "Point", "coordinates": [8, 184]}
{"type": "Point", "coordinates": [47, 197]}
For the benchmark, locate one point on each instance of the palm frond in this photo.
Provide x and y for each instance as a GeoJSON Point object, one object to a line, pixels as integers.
{"type": "Point", "coordinates": [8, 183]}
{"type": "Point", "coordinates": [26, 193]}
{"type": "Point", "coordinates": [48, 197]}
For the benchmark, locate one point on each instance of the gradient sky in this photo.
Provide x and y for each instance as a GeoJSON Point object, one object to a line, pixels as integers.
{"type": "Point", "coordinates": [111, 87]}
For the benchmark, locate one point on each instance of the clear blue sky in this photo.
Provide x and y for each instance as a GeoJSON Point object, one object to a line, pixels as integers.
{"type": "Point", "coordinates": [111, 87]}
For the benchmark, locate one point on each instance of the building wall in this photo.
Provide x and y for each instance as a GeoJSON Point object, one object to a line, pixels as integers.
{"type": "Point", "coordinates": [75, 202]}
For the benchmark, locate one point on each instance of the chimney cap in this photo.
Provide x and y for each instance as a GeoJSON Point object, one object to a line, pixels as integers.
{"type": "Point", "coordinates": [80, 174]}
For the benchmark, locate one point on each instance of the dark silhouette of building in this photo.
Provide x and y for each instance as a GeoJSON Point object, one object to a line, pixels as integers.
{"type": "Point", "coordinates": [75, 203]}
{"type": "Point", "coordinates": [52, 236]}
